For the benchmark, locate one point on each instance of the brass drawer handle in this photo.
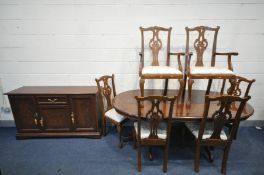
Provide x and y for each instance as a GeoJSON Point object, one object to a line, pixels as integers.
{"type": "Point", "coordinates": [36, 119]}
{"type": "Point", "coordinates": [52, 101]}
{"type": "Point", "coordinates": [41, 122]}
{"type": "Point", "coordinates": [72, 118]}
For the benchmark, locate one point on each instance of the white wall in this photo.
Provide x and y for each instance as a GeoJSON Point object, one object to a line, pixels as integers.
{"type": "Point", "coordinates": [70, 42]}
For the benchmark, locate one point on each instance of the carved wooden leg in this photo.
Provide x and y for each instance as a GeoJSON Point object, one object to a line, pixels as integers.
{"type": "Point", "coordinates": [180, 93]}
{"type": "Point", "coordinates": [223, 87]}
{"type": "Point", "coordinates": [119, 130]}
{"type": "Point", "coordinates": [134, 138]}
{"type": "Point", "coordinates": [166, 87]}
{"type": "Point", "coordinates": [209, 86]}
{"type": "Point", "coordinates": [139, 157]}
{"type": "Point", "coordinates": [225, 157]}
{"type": "Point", "coordinates": [190, 83]}
{"type": "Point", "coordinates": [197, 157]}
{"type": "Point", "coordinates": [165, 161]}
{"type": "Point", "coordinates": [141, 85]}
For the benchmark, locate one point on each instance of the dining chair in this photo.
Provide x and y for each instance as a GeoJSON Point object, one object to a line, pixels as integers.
{"type": "Point", "coordinates": [210, 132]}
{"type": "Point", "coordinates": [106, 93]}
{"type": "Point", "coordinates": [153, 124]}
{"type": "Point", "coordinates": [158, 45]}
{"type": "Point", "coordinates": [239, 87]}
{"type": "Point", "coordinates": [201, 41]}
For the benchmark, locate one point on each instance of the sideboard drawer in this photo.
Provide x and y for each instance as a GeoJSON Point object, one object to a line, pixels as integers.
{"type": "Point", "coordinates": [44, 100]}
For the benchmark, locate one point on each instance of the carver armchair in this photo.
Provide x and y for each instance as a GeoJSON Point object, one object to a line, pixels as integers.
{"type": "Point", "coordinates": [197, 41]}
{"type": "Point", "coordinates": [156, 45]}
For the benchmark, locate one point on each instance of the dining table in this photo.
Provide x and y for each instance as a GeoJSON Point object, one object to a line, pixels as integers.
{"type": "Point", "coordinates": [183, 110]}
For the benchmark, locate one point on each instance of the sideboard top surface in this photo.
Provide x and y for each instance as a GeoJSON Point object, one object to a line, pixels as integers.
{"type": "Point", "coordinates": [53, 90]}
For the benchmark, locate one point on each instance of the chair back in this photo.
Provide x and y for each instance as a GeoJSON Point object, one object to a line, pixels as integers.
{"type": "Point", "coordinates": [237, 87]}
{"type": "Point", "coordinates": [106, 92]}
{"type": "Point", "coordinates": [199, 43]}
{"type": "Point", "coordinates": [221, 117]}
{"type": "Point", "coordinates": [155, 36]}
{"type": "Point", "coordinates": [157, 110]}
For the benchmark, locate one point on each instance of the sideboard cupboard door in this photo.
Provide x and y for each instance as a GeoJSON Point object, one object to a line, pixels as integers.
{"type": "Point", "coordinates": [54, 117]}
{"type": "Point", "coordinates": [24, 111]}
{"type": "Point", "coordinates": [84, 112]}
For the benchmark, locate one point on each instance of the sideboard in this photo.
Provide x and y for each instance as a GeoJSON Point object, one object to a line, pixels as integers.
{"type": "Point", "coordinates": [55, 111]}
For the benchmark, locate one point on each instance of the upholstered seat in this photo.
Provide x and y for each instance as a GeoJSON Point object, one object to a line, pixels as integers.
{"type": "Point", "coordinates": [113, 115]}
{"type": "Point", "coordinates": [208, 131]}
{"type": "Point", "coordinates": [145, 130]}
{"type": "Point", "coordinates": [198, 70]}
{"type": "Point", "coordinates": [149, 70]}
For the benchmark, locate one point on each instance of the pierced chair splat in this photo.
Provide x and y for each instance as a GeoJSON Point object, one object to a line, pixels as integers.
{"type": "Point", "coordinates": [156, 44]}
{"type": "Point", "coordinates": [153, 124]}
{"type": "Point", "coordinates": [106, 93]}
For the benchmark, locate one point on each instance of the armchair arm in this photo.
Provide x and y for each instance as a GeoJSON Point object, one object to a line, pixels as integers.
{"type": "Point", "coordinates": [179, 54]}
{"type": "Point", "coordinates": [188, 62]}
{"type": "Point", "coordinates": [141, 63]}
{"type": "Point", "coordinates": [229, 55]}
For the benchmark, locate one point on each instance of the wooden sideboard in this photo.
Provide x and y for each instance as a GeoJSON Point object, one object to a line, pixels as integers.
{"type": "Point", "coordinates": [55, 111]}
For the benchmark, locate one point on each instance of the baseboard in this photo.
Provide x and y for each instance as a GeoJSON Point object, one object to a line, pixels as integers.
{"type": "Point", "coordinates": [11, 123]}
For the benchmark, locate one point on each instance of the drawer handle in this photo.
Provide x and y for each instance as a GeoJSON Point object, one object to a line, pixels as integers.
{"type": "Point", "coordinates": [36, 119]}
{"type": "Point", "coordinates": [72, 118]}
{"type": "Point", "coordinates": [52, 101]}
{"type": "Point", "coordinates": [41, 122]}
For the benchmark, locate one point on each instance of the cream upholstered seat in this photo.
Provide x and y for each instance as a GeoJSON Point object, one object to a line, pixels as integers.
{"type": "Point", "coordinates": [106, 93]}
{"type": "Point", "coordinates": [198, 70]}
{"type": "Point", "coordinates": [148, 70]}
{"type": "Point", "coordinates": [158, 40]}
{"type": "Point", "coordinates": [208, 131]}
{"type": "Point", "coordinates": [145, 130]}
{"type": "Point", "coordinates": [112, 114]}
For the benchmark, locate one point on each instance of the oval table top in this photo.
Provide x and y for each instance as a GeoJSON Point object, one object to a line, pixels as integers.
{"type": "Point", "coordinates": [126, 104]}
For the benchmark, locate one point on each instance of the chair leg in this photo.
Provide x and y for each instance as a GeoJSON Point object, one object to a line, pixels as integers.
{"type": "Point", "coordinates": [141, 85]}
{"type": "Point", "coordinates": [134, 139]}
{"type": "Point", "coordinates": [119, 130]}
{"type": "Point", "coordinates": [197, 157]}
{"type": "Point", "coordinates": [223, 87]}
{"type": "Point", "coordinates": [225, 157]}
{"type": "Point", "coordinates": [209, 86]}
{"type": "Point", "coordinates": [166, 87]}
{"type": "Point", "coordinates": [139, 157]}
{"type": "Point", "coordinates": [180, 93]}
{"type": "Point", "coordinates": [190, 83]}
{"type": "Point", "coordinates": [165, 161]}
